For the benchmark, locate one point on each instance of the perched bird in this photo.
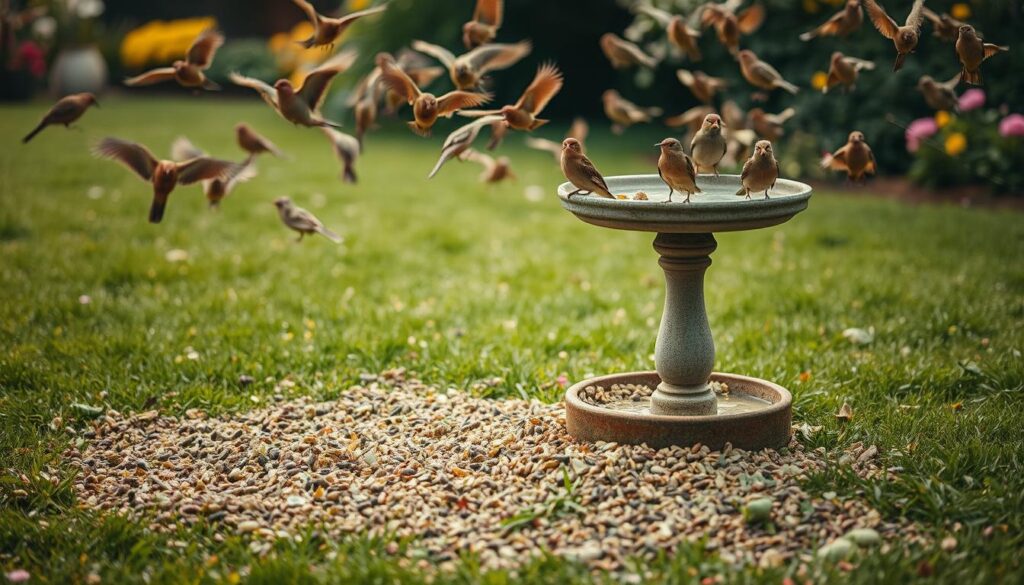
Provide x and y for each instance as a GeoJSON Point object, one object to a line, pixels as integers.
{"type": "Point", "coordinates": [709, 144]}
{"type": "Point", "coordinates": [840, 24]}
{"type": "Point", "coordinates": [215, 190]}
{"type": "Point", "coordinates": [188, 72]}
{"type": "Point", "coordinates": [760, 171]}
{"type": "Point", "coordinates": [66, 111]}
{"type": "Point", "coordinates": [523, 114]}
{"type": "Point", "coordinates": [676, 169]}
{"type": "Point", "coordinates": [302, 221]}
{"type": "Point", "coordinates": [762, 75]}
{"type": "Point", "coordinates": [624, 113]}
{"type": "Point", "coordinates": [678, 32]}
{"type": "Point", "coordinates": [346, 148]}
{"type": "Point", "coordinates": [944, 26]}
{"type": "Point", "coordinates": [768, 126]}
{"type": "Point", "coordinates": [855, 157]}
{"type": "Point", "coordinates": [729, 25]}
{"type": "Point", "coordinates": [904, 37]}
{"type": "Point", "coordinates": [327, 30]}
{"type": "Point", "coordinates": [301, 107]}
{"type": "Point", "coordinates": [485, 24]}
{"type": "Point", "coordinates": [701, 85]}
{"type": "Point", "coordinates": [461, 139]}
{"type": "Point", "coordinates": [623, 54]}
{"type": "Point", "coordinates": [939, 95]}
{"type": "Point", "coordinates": [165, 175]}
{"type": "Point", "coordinates": [468, 70]}
{"type": "Point", "coordinates": [578, 169]}
{"type": "Point", "coordinates": [495, 170]}
{"type": "Point", "coordinates": [426, 107]}
{"type": "Point", "coordinates": [577, 131]}
{"type": "Point", "coordinates": [250, 141]}
{"type": "Point", "coordinates": [844, 71]}
{"type": "Point", "coordinates": [972, 51]}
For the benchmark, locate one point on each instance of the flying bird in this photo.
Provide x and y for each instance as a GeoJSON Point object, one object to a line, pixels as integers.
{"type": "Point", "coordinates": [762, 75]}
{"type": "Point", "coordinates": [461, 139]}
{"type": "Point", "coordinates": [691, 119]}
{"type": "Point", "coordinates": [769, 126]}
{"type": "Point", "coordinates": [582, 173]}
{"type": "Point", "coordinates": [426, 107]}
{"type": "Point", "coordinates": [468, 70]}
{"type": "Point", "coordinates": [940, 95]}
{"type": "Point", "coordinates": [495, 170]}
{"type": "Point", "coordinates": [215, 190]}
{"type": "Point", "coordinates": [347, 149]}
{"type": "Point", "coordinates": [250, 141]}
{"type": "Point", "coordinates": [523, 114]}
{"type": "Point", "coordinates": [841, 24]}
{"type": "Point", "coordinates": [709, 144]}
{"type": "Point", "coordinates": [855, 158]}
{"type": "Point", "coordinates": [623, 54]}
{"type": "Point", "coordinates": [729, 24]}
{"type": "Point", "coordinates": [676, 169]}
{"type": "Point", "coordinates": [66, 111]}
{"type": "Point", "coordinates": [944, 26]}
{"type": "Point", "coordinates": [760, 171]}
{"type": "Point", "coordinates": [302, 221]}
{"type": "Point", "coordinates": [678, 32]}
{"type": "Point", "coordinates": [326, 30]}
{"type": "Point", "coordinates": [188, 72]}
{"type": "Point", "coordinates": [701, 85]}
{"type": "Point", "coordinates": [164, 175]}
{"type": "Point", "coordinates": [624, 113]}
{"type": "Point", "coordinates": [972, 51]}
{"type": "Point", "coordinates": [301, 107]}
{"type": "Point", "coordinates": [578, 131]}
{"type": "Point", "coordinates": [485, 24]}
{"type": "Point", "coordinates": [903, 37]}
{"type": "Point", "coordinates": [365, 108]}
{"type": "Point", "coordinates": [844, 71]}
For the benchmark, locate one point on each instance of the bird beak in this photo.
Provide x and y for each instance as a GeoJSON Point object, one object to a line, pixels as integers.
{"type": "Point", "coordinates": [658, 145]}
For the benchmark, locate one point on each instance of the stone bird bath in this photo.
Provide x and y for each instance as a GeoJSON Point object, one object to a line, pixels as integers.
{"type": "Point", "coordinates": [683, 408]}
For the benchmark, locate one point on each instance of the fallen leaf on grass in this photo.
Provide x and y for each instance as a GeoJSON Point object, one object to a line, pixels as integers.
{"type": "Point", "coordinates": [859, 336]}
{"type": "Point", "coordinates": [845, 412]}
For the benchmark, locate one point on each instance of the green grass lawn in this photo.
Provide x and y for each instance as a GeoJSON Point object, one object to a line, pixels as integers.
{"type": "Point", "coordinates": [478, 287]}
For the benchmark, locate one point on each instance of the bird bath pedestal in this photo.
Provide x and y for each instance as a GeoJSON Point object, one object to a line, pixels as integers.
{"type": "Point", "coordinates": [683, 408]}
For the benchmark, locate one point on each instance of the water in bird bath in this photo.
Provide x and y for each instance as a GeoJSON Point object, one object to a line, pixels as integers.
{"type": "Point", "coordinates": [734, 403]}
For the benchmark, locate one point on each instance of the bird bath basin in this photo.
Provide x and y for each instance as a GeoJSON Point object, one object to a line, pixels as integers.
{"type": "Point", "coordinates": [683, 402]}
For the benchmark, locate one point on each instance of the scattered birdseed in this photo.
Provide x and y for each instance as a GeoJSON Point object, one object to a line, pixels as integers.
{"type": "Point", "coordinates": [461, 473]}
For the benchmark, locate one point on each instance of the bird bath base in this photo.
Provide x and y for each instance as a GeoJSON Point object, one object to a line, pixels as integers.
{"type": "Point", "coordinates": [683, 407]}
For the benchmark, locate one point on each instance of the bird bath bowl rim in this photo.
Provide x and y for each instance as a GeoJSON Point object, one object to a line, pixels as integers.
{"type": "Point", "coordinates": [716, 209]}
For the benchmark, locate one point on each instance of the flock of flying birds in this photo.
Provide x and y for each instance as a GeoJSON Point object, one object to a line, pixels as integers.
{"type": "Point", "coordinates": [395, 82]}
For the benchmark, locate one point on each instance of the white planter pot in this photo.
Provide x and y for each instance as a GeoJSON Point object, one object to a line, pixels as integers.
{"type": "Point", "coordinates": [79, 69]}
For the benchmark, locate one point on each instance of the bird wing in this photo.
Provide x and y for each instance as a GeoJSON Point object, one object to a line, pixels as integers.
{"type": "Point", "coordinates": [882, 21]}
{"type": "Point", "coordinates": [302, 219]}
{"type": "Point", "coordinates": [590, 171]}
{"type": "Point", "coordinates": [424, 76]}
{"type": "Point", "coordinates": [915, 16]}
{"type": "Point", "coordinates": [489, 12]}
{"type": "Point", "coordinates": [664, 18]}
{"type": "Point", "coordinates": [544, 86]}
{"type": "Point", "coordinates": [733, 115]}
{"type": "Point", "coordinates": [306, 7]}
{"type": "Point", "coordinates": [361, 13]}
{"type": "Point", "coordinates": [543, 144]}
{"type": "Point", "coordinates": [579, 130]}
{"type": "Point", "coordinates": [746, 169]}
{"type": "Point", "coordinates": [182, 149]}
{"type": "Point", "coordinates": [456, 100]}
{"type": "Point", "coordinates": [150, 77]}
{"type": "Point", "coordinates": [497, 55]}
{"type": "Point", "coordinates": [691, 171]}
{"type": "Point", "coordinates": [691, 116]}
{"type": "Point", "coordinates": [750, 19]}
{"type": "Point", "coordinates": [836, 160]}
{"type": "Point", "coordinates": [951, 84]}
{"type": "Point", "coordinates": [204, 167]}
{"type": "Point", "coordinates": [781, 117]}
{"type": "Point", "coordinates": [486, 160]}
{"type": "Point", "coordinates": [469, 132]}
{"type": "Point", "coordinates": [685, 77]}
{"type": "Point", "coordinates": [136, 157]}
{"type": "Point", "coordinates": [871, 167]}
{"type": "Point", "coordinates": [368, 84]}
{"type": "Point", "coordinates": [204, 48]}
{"type": "Point", "coordinates": [440, 53]}
{"type": "Point", "coordinates": [398, 81]}
{"type": "Point", "coordinates": [268, 93]}
{"type": "Point", "coordinates": [932, 17]}
{"type": "Point", "coordinates": [860, 63]}
{"type": "Point", "coordinates": [344, 144]}
{"type": "Point", "coordinates": [765, 70]}
{"type": "Point", "coordinates": [314, 87]}
{"type": "Point", "coordinates": [991, 49]}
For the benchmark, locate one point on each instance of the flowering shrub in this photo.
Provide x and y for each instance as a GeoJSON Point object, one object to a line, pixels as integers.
{"type": "Point", "coordinates": [978, 145]}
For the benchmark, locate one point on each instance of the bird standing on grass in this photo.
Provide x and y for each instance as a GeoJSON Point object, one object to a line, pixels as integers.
{"type": "Point", "coordinates": [467, 70]}
{"type": "Point", "coordinates": [762, 75]}
{"type": "Point", "coordinates": [164, 175]}
{"type": "Point", "coordinates": [250, 141]}
{"type": "Point", "coordinates": [426, 107]}
{"type": "Point", "coordinates": [301, 107]}
{"type": "Point", "coordinates": [972, 51]}
{"type": "Point", "coordinates": [188, 72]}
{"type": "Point", "coordinates": [840, 24]}
{"type": "Point", "coordinates": [709, 145]}
{"type": "Point", "coordinates": [623, 54]}
{"type": "Point", "coordinates": [760, 171]}
{"type": "Point", "coordinates": [903, 37]}
{"type": "Point", "coordinates": [855, 157]}
{"type": "Point", "coordinates": [66, 111]}
{"type": "Point", "coordinates": [215, 190]}
{"type": "Point", "coordinates": [582, 173]}
{"type": "Point", "coordinates": [327, 30]}
{"type": "Point", "coordinates": [844, 71]}
{"type": "Point", "coordinates": [347, 149]}
{"type": "Point", "coordinates": [302, 221]}
{"type": "Point", "coordinates": [676, 169]}
{"type": "Point", "coordinates": [485, 24]}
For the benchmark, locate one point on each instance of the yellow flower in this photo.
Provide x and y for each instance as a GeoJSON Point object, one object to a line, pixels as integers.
{"type": "Point", "coordinates": [819, 80]}
{"type": "Point", "coordinates": [960, 11]}
{"type": "Point", "coordinates": [942, 117]}
{"type": "Point", "coordinates": [354, 5]}
{"type": "Point", "coordinates": [811, 6]}
{"type": "Point", "coordinates": [161, 41]}
{"type": "Point", "coordinates": [956, 143]}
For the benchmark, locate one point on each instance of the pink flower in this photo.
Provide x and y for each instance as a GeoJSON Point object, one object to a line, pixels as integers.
{"type": "Point", "coordinates": [18, 576]}
{"type": "Point", "coordinates": [29, 56]}
{"type": "Point", "coordinates": [1012, 125]}
{"type": "Point", "coordinates": [919, 130]}
{"type": "Point", "coordinates": [972, 99]}
{"type": "Point", "coordinates": [563, 380]}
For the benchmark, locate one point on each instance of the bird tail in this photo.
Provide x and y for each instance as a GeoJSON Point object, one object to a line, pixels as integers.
{"type": "Point", "coordinates": [329, 235]}
{"type": "Point", "coordinates": [417, 130]}
{"type": "Point", "coordinates": [33, 133]}
{"type": "Point", "coordinates": [971, 77]}
{"type": "Point", "coordinates": [808, 36]}
{"type": "Point", "coordinates": [788, 86]}
{"type": "Point", "coordinates": [156, 211]}
{"type": "Point", "coordinates": [440, 163]}
{"type": "Point", "coordinates": [329, 124]}
{"type": "Point", "coordinates": [537, 123]}
{"type": "Point", "coordinates": [899, 61]}
{"type": "Point", "coordinates": [742, 191]}
{"type": "Point", "coordinates": [211, 85]}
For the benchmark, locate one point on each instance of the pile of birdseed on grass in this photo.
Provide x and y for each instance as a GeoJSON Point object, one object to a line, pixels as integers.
{"type": "Point", "coordinates": [460, 473]}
